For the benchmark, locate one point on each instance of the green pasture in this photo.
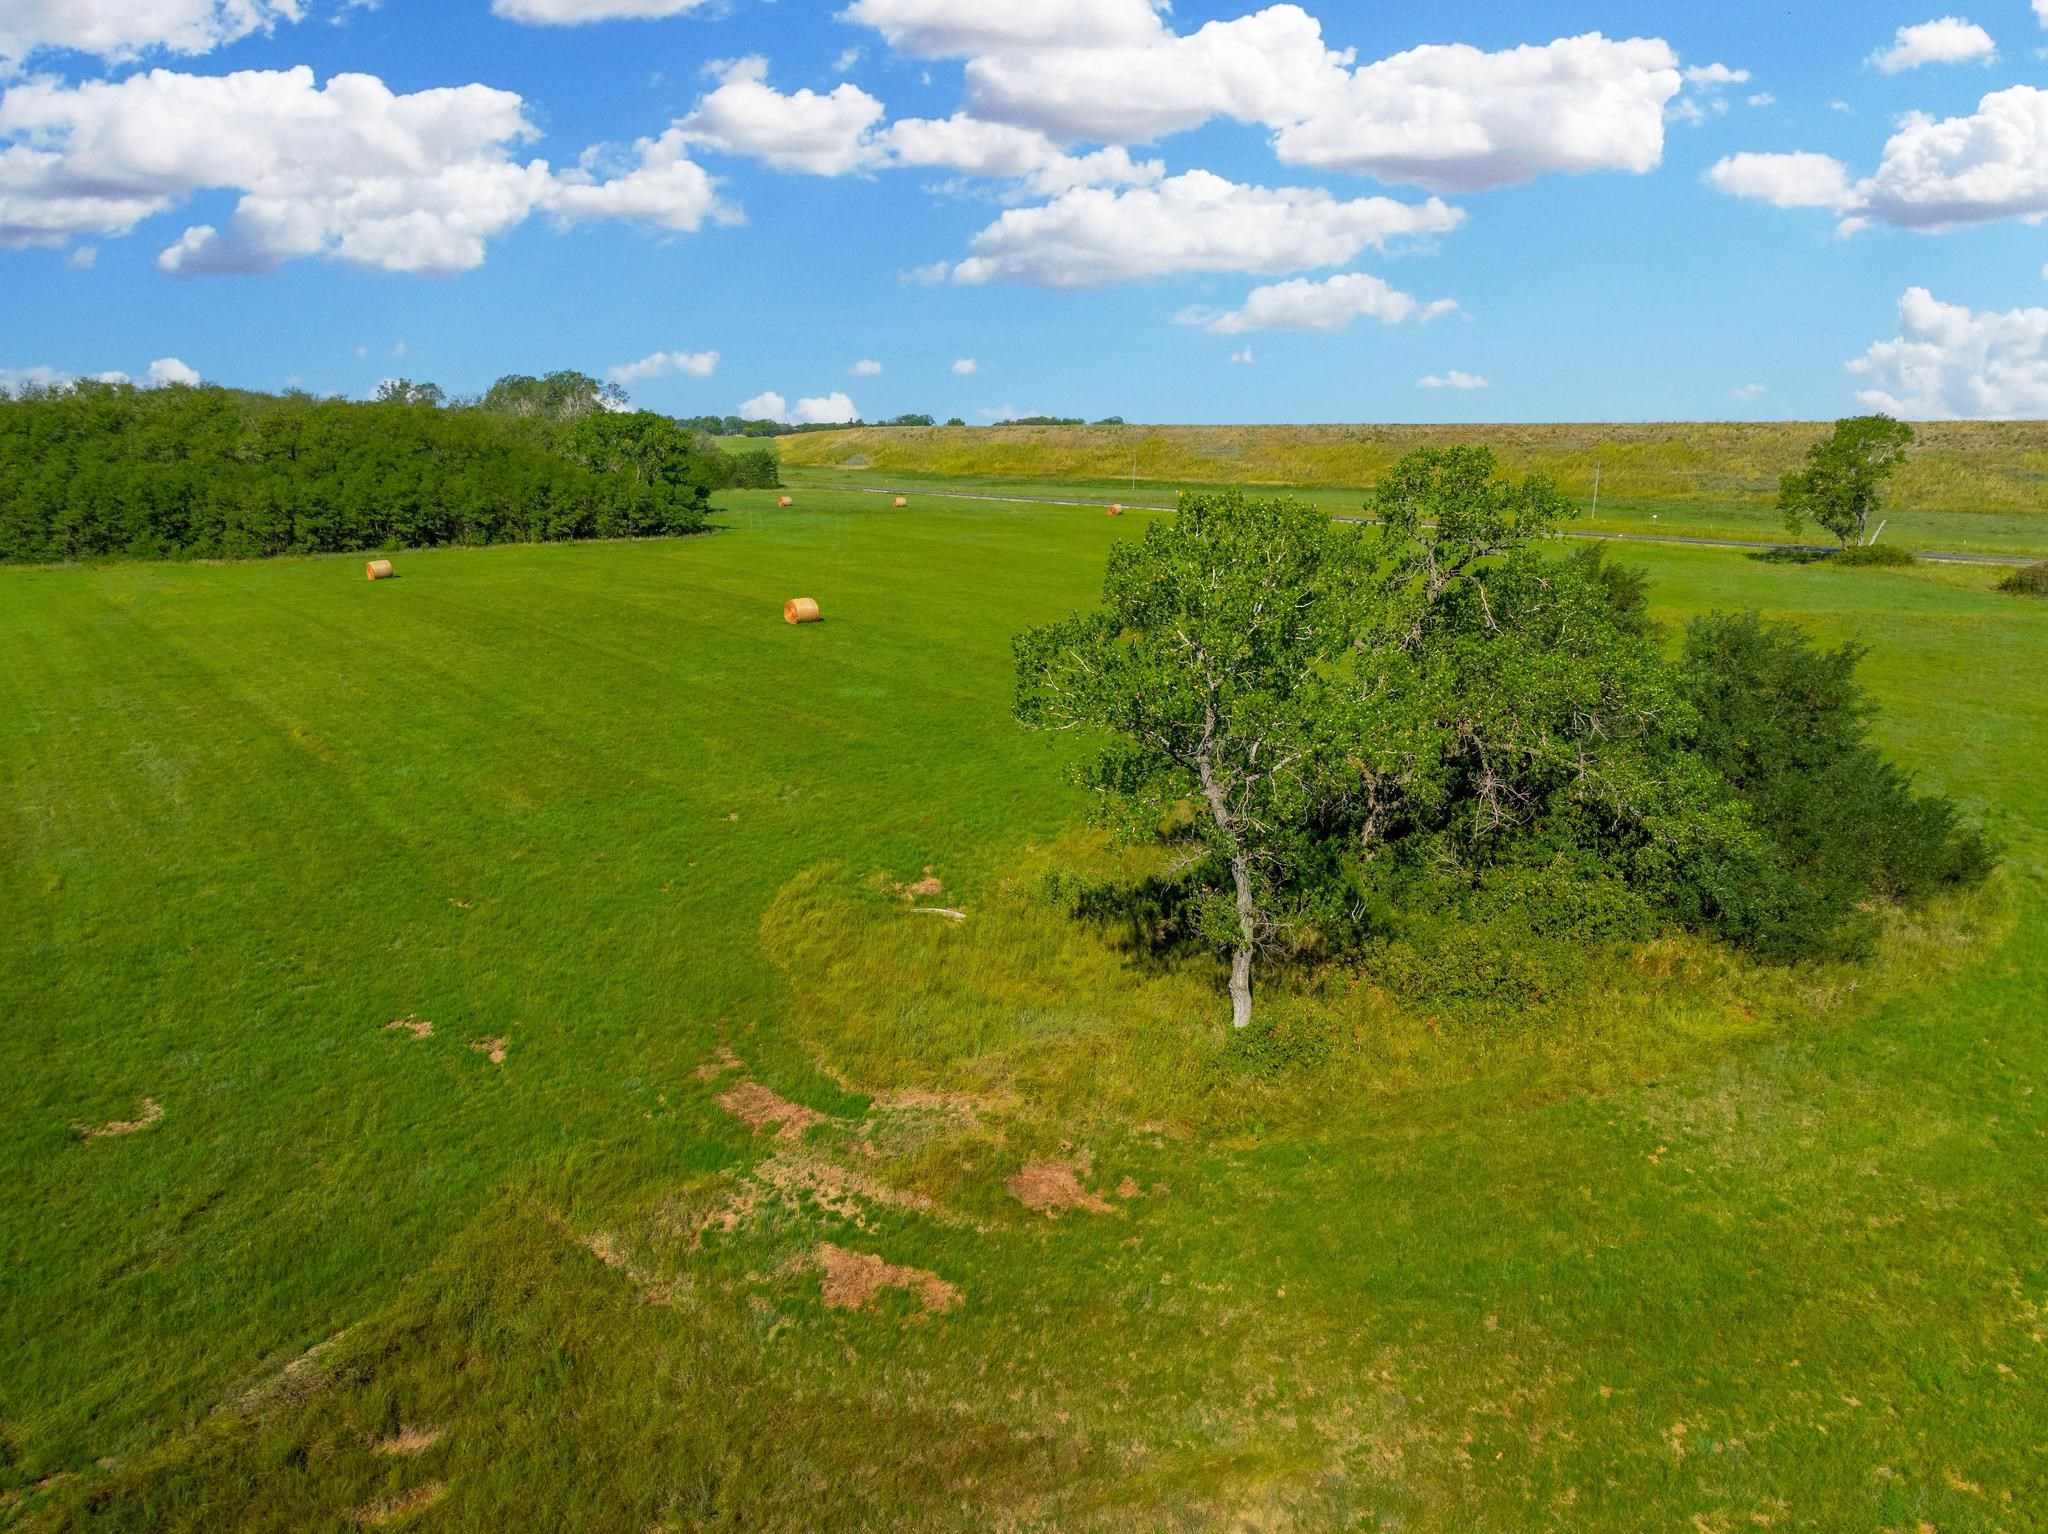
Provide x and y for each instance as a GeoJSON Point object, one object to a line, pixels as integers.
{"type": "Point", "coordinates": [1707, 1248]}
{"type": "Point", "coordinates": [2014, 535]}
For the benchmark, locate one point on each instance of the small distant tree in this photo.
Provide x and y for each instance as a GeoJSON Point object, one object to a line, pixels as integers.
{"type": "Point", "coordinates": [1842, 485]}
{"type": "Point", "coordinates": [562, 396]}
{"type": "Point", "coordinates": [403, 391]}
{"type": "Point", "coordinates": [1214, 665]}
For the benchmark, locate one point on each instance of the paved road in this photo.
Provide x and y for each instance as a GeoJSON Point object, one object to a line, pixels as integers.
{"type": "Point", "coordinates": [1930, 555]}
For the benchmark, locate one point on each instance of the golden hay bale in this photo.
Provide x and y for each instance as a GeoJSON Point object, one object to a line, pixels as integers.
{"type": "Point", "coordinates": [801, 610]}
{"type": "Point", "coordinates": [379, 570]}
{"type": "Point", "coordinates": [901, 502]}
{"type": "Point", "coordinates": [785, 501]}
{"type": "Point", "coordinates": [1116, 511]}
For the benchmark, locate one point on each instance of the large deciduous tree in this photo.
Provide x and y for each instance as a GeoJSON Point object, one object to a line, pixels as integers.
{"type": "Point", "coordinates": [1842, 485]}
{"type": "Point", "coordinates": [1217, 666]}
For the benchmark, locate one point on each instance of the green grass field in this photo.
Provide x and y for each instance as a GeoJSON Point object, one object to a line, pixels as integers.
{"type": "Point", "coordinates": [1969, 487]}
{"type": "Point", "coordinates": [1711, 1248]}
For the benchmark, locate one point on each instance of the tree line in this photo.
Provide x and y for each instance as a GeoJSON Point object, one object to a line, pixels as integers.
{"type": "Point", "coordinates": [106, 469]}
{"type": "Point", "coordinates": [1431, 741]}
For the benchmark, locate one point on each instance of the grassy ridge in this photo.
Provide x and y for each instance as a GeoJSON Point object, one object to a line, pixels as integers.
{"type": "Point", "coordinates": [1716, 1246]}
{"type": "Point", "coordinates": [1982, 467]}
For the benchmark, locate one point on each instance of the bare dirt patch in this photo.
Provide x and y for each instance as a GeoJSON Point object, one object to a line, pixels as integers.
{"type": "Point", "coordinates": [923, 889]}
{"type": "Point", "coordinates": [495, 1049]}
{"type": "Point", "coordinates": [419, 1028]}
{"type": "Point", "coordinates": [729, 1215]}
{"type": "Point", "coordinates": [1129, 1189]}
{"type": "Point", "coordinates": [758, 1108]}
{"type": "Point", "coordinates": [147, 1113]}
{"type": "Point", "coordinates": [374, 1515]}
{"type": "Point", "coordinates": [412, 1440]}
{"type": "Point", "coordinates": [1049, 1187]}
{"type": "Point", "coordinates": [852, 1279]}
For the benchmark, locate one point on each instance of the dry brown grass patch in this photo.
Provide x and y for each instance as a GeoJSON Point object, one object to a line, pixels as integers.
{"type": "Point", "coordinates": [758, 1108]}
{"type": "Point", "coordinates": [496, 1049]}
{"type": "Point", "coordinates": [1048, 1187]}
{"type": "Point", "coordinates": [374, 1515]}
{"type": "Point", "coordinates": [722, 1060]}
{"type": "Point", "coordinates": [419, 1028]}
{"type": "Point", "coordinates": [853, 1279]}
{"type": "Point", "coordinates": [412, 1440]}
{"type": "Point", "coordinates": [147, 1113]}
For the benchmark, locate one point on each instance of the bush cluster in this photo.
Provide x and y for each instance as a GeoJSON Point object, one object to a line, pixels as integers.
{"type": "Point", "coordinates": [2027, 581]}
{"type": "Point", "coordinates": [1881, 555]}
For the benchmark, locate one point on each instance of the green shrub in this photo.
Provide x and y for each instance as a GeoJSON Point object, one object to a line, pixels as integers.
{"type": "Point", "coordinates": [1786, 726]}
{"type": "Point", "coordinates": [760, 469]}
{"type": "Point", "coordinates": [1884, 555]}
{"type": "Point", "coordinates": [2028, 581]}
{"type": "Point", "coordinates": [1272, 1046]}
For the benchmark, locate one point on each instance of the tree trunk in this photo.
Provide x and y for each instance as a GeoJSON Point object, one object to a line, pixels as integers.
{"type": "Point", "coordinates": [1241, 876]}
{"type": "Point", "coordinates": [1241, 989]}
{"type": "Point", "coordinates": [1241, 961]}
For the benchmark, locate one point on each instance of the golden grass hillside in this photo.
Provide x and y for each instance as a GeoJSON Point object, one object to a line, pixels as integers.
{"type": "Point", "coordinates": [1955, 466]}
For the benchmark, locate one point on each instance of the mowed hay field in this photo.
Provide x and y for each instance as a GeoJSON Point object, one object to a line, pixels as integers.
{"type": "Point", "coordinates": [1972, 486]}
{"type": "Point", "coordinates": [717, 1178]}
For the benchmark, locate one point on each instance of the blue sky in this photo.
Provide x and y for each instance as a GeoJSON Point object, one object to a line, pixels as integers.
{"type": "Point", "coordinates": [1625, 232]}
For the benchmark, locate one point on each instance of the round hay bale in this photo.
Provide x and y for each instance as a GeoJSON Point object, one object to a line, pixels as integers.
{"type": "Point", "coordinates": [801, 610]}
{"type": "Point", "coordinates": [786, 502]}
{"type": "Point", "coordinates": [379, 570]}
{"type": "Point", "coordinates": [1116, 511]}
{"type": "Point", "coordinates": [901, 502]}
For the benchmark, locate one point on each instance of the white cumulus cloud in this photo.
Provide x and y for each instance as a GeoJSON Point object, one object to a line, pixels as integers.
{"type": "Point", "coordinates": [804, 131]}
{"type": "Point", "coordinates": [1951, 40]}
{"type": "Point", "coordinates": [1936, 174]}
{"type": "Point", "coordinates": [966, 367]}
{"type": "Point", "coordinates": [1269, 68]}
{"type": "Point", "coordinates": [351, 170]}
{"type": "Point", "coordinates": [1451, 380]}
{"type": "Point", "coordinates": [867, 367]}
{"type": "Point", "coordinates": [960, 28]}
{"type": "Point", "coordinates": [1454, 118]}
{"type": "Point", "coordinates": [1197, 222]}
{"type": "Point", "coordinates": [657, 183]}
{"type": "Point", "coordinates": [1785, 180]}
{"type": "Point", "coordinates": [1329, 305]}
{"type": "Point", "coordinates": [1002, 151]}
{"type": "Point", "coordinates": [120, 30]}
{"type": "Point", "coordinates": [564, 13]}
{"type": "Point", "coordinates": [162, 372]}
{"type": "Point", "coordinates": [1442, 116]}
{"type": "Point", "coordinates": [825, 410]}
{"type": "Point", "coordinates": [1950, 362]}
{"type": "Point", "coordinates": [660, 364]}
